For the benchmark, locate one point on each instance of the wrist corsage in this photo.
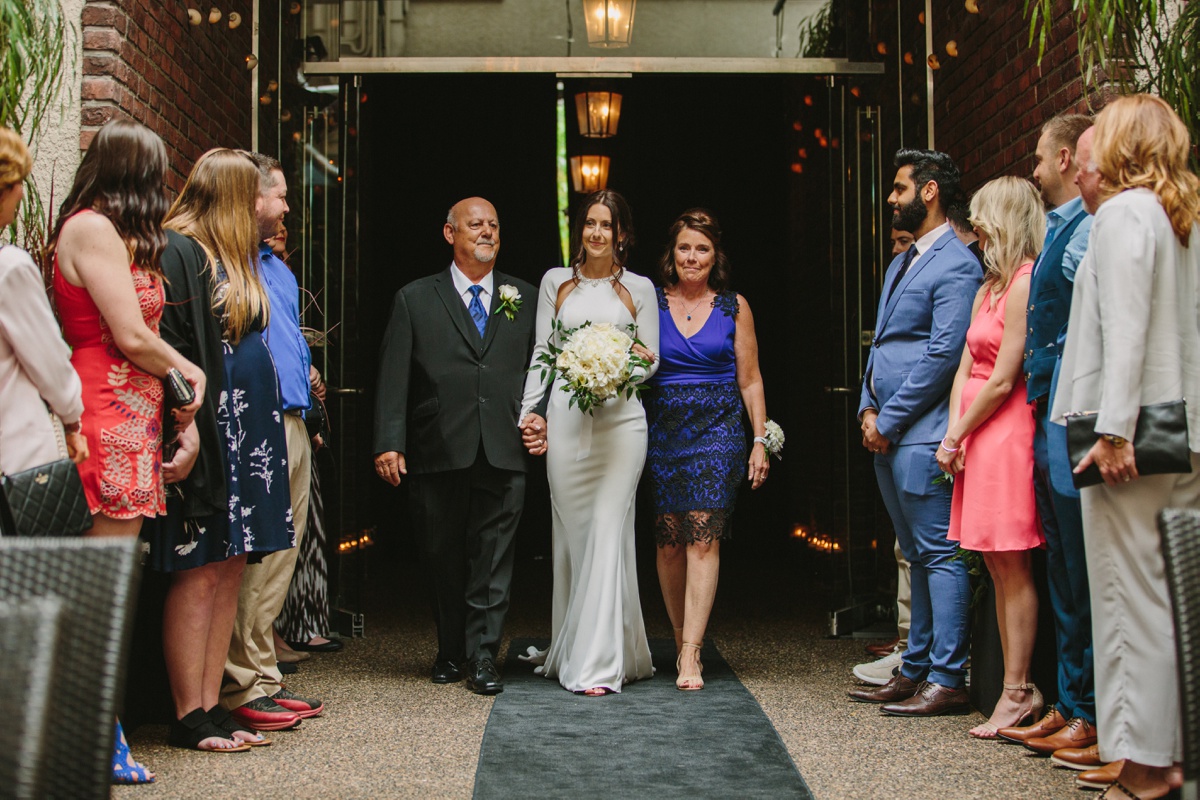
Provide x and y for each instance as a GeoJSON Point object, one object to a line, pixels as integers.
{"type": "Point", "coordinates": [772, 440]}
{"type": "Point", "coordinates": [510, 301]}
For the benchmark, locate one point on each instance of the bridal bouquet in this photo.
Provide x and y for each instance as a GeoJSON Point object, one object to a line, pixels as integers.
{"type": "Point", "coordinates": [596, 361]}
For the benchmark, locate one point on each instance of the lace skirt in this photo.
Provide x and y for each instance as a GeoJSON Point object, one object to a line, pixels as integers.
{"type": "Point", "coordinates": [696, 459]}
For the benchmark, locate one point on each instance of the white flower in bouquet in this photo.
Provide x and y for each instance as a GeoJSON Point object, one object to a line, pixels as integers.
{"type": "Point", "coordinates": [773, 439]}
{"type": "Point", "coordinates": [597, 363]}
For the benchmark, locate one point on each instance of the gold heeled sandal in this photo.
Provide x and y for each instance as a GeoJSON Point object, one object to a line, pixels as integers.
{"type": "Point", "coordinates": [988, 730]}
{"type": "Point", "coordinates": [689, 684]}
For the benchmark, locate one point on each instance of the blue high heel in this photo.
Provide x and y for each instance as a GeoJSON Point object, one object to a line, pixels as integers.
{"type": "Point", "coordinates": [126, 771]}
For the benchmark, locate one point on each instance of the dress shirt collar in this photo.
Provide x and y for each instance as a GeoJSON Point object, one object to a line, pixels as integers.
{"type": "Point", "coordinates": [463, 284]}
{"type": "Point", "coordinates": [1057, 217]}
{"type": "Point", "coordinates": [926, 241]}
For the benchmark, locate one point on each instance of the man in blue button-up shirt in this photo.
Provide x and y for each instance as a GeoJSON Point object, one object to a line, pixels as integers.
{"type": "Point", "coordinates": [253, 687]}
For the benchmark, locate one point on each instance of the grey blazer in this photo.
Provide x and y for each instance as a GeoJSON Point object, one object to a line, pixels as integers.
{"type": "Point", "coordinates": [1133, 339]}
{"type": "Point", "coordinates": [442, 390]}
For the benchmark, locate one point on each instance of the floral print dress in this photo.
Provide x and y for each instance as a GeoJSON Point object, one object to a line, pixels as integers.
{"type": "Point", "coordinates": [122, 405]}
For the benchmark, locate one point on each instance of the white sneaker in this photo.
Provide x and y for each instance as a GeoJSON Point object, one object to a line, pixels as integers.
{"type": "Point", "coordinates": [881, 671]}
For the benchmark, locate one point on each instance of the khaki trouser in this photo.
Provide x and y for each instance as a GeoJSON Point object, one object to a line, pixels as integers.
{"type": "Point", "coordinates": [903, 597]}
{"type": "Point", "coordinates": [250, 668]}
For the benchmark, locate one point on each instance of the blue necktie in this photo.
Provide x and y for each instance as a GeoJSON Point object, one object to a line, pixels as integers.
{"type": "Point", "coordinates": [478, 313]}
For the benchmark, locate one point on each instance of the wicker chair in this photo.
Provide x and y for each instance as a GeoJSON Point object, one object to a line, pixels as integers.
{"type": "Point", "coordinates": [1180, 530]}
{"type": "Point", "coordinates": [29, 631]}
{"type": "Point", "coordinates": [96, 582]}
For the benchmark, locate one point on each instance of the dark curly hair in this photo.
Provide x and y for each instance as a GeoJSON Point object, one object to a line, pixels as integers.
{"type": "Point", "coordinates": [932, 165]}
{"type": "Point", "coordinates": [122, 177]}
{"type": "Point", "coordinates": [622, 228]}
{"type": "Point", "coordinates": [702, 221]}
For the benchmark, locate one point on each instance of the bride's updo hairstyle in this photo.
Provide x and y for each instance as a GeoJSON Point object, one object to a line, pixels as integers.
{"type": "Point", "coordinates": [702, 221]}
{"type": "Point", "coordinates": [622, 228]}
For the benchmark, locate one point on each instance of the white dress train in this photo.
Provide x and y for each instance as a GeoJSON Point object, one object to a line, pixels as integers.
{"type": "Point", "coordinates": [598, 637]}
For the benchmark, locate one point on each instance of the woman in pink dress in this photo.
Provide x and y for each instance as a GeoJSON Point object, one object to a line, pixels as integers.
{"type": "Point", "coordinates": [988, 446]}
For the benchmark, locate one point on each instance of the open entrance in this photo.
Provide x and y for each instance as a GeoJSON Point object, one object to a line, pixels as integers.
{"type": "Point", "coordinates": [790, 164]}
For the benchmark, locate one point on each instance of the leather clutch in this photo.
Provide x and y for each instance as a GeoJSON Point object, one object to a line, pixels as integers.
{"type": "Point", "coordinates": [1160, 442]}
{"type": "Point", "coordinates": [44, 501]}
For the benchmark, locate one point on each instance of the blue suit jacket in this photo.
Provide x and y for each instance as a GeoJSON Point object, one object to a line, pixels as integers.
{"type": "Point", "coordinates": [919, 336]}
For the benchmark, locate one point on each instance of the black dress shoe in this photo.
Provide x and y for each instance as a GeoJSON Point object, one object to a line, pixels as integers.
{"type": "Point", "coordinates": [483, 678]}
{"type": "Point", "coordinates": [286, 667]}
{"type": "Point", "coordinates": [446, 671]}
{"type": "Point", "coordinates": [331, 646]}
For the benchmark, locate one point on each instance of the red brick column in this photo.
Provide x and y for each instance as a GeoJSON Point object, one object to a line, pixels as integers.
{"type": "Point", "coordinates": [143, 60]}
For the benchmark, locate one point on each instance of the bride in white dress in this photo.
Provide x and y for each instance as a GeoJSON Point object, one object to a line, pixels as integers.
{"type": "Point", "coordinates": [598, 638]}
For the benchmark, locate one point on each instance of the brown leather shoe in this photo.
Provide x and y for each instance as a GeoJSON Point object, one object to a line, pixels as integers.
{"type": "Point", "coordinates": [1078, 733]}
{"type": "Point", "coordinates": [883, 649]}
{"type": "Point", "coordinates": [898, 688]}
{"type": "Point", "coordinates": [1051, 722]}
{"type": "Point", "coordinates": [1078, 757]}
{"type": "Point", "coordinates": [1099, 778]}
{"type": "Point", "coordinates": [931, 700]}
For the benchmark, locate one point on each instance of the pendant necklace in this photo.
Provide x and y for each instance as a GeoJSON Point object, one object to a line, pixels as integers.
{"type": "Point", "coordinates": [688, 311]}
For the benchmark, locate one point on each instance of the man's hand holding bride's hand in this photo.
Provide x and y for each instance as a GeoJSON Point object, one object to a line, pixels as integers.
{"type": "Point", "coordinates": [390, 466]}
{"type": "Point", "coordinates": [533, 434]}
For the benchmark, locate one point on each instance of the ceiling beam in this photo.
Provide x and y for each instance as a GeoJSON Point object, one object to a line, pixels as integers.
{"type": "Point", "coordinates": [590, 65]}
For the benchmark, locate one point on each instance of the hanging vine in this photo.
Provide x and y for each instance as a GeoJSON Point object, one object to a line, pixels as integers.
{"type": "Point", "coordinates": [1133, 46]}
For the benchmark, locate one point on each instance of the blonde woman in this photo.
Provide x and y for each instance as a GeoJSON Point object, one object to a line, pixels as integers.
{"type": "Point", "coordinates": [988, 445]}
{"type": "Point", "coordinates": [233, 500]}
{"type": "Point", "coordinates": [1133, 341]}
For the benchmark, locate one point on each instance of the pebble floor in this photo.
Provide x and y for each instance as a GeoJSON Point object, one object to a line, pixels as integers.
{"type": "Point", "coordinates": [388, 732]}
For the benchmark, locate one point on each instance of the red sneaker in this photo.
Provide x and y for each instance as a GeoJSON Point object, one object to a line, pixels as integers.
{"type": "Point", "coordinates": [303, 707]}
{"type": "Point", "coordinates": [264, 714]}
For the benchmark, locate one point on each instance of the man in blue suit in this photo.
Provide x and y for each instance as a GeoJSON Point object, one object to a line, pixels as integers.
{"type": "Point", "coordinates": [919, 335]}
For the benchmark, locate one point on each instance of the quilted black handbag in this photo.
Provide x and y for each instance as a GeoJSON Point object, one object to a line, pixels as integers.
{"type": "Point", "coordinates": [1160, 442]}
{"type": "Point", "coordinates": [44, 501]}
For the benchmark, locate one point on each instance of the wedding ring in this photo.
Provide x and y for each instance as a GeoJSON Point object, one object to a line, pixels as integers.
{"type": "Point", "coordinates": [1126, 479]}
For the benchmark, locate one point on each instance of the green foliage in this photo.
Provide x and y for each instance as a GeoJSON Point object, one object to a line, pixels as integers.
{"type": "Point", "coordinates": [33, 44]}
{"type": "Point", "coordinates": [815, 31]}
{"type": "Point", "coordinates": [1135, 46]}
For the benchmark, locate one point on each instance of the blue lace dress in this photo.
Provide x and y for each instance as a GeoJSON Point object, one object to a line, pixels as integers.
{"type": "Point", "coordinates": [697, 449]}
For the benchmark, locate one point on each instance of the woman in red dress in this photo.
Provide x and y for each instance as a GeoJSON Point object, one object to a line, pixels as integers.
{"type": "Point", "coordinates": [104, 255]}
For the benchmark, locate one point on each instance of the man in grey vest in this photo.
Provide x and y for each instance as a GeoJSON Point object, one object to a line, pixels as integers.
{"type": "Point", "coordinates": [1068, 729]}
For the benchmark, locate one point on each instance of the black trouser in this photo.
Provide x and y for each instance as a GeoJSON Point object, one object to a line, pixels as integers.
{"type": "Point", "coordinates": [466, 521]}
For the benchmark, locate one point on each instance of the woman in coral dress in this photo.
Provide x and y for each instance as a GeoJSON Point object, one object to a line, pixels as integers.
{"type": "Point", "coordinates": [989, 443]}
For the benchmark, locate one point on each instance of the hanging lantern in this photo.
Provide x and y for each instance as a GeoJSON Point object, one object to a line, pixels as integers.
{"type": "Point", "coordinates": [589, 173]}
{"type": "Point", "coordinates": [599, 113]}
{"type": "Point", "coordinates": [609, 22]}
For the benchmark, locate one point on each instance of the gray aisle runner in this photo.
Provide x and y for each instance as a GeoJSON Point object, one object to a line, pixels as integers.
{"type": "Point", "coordinates": [651, 740]}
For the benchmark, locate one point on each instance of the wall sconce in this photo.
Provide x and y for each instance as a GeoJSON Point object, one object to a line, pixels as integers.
{"type": "Point", "coordinates": [251, 61]}
{"type": "Point", "coordinates": [609, 22]}
{"type": "Point", "coordinates": [589, 173]}
{"type": "Point", "coordinates": [599, 113]}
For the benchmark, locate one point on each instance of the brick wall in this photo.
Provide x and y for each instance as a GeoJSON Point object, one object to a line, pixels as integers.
{"type": "Point", "coordinates": [997, 82]}
{"type": "Point", "coordinates": [143, 60]}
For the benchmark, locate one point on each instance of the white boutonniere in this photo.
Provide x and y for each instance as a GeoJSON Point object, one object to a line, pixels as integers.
{"type": "Point", "coordinates": [510, 301]}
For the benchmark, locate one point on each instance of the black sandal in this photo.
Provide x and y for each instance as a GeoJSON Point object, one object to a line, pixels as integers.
{"type": "Point", "coordinates": [194, 728]}
{"type": "Point", "coordinates": [221, 717]}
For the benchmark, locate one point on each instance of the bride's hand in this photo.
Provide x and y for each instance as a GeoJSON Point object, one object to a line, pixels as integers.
{"type": "Point", "coordinates": [644, 352]}
{"type": "Point", "coordinates": [533, 434]}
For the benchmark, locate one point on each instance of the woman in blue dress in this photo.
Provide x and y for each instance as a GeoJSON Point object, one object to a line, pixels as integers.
{"type": "Point", "coordinates": [229, 502]}
{"type": "Point", "coordinates": [707, 379]}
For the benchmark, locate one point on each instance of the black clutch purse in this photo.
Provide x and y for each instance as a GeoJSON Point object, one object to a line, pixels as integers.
{"type": "Point", "coordinates": [1160, 442]}
{"type": "Point", "coordinates": [44, 501]}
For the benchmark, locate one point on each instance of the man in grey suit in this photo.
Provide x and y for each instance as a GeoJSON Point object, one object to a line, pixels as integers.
{"type": "Point", "coordinates": [920, 330]}
{"type": "Point", "coordinates": [452, 371]}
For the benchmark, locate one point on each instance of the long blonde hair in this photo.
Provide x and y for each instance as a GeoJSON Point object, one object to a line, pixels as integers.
{"type": "Point", "coordinates": [217, 209]}
{"type": "Point", "coordinates": [1009, 212]}
{"type": "Point", "coordinates": [1140, 142]}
